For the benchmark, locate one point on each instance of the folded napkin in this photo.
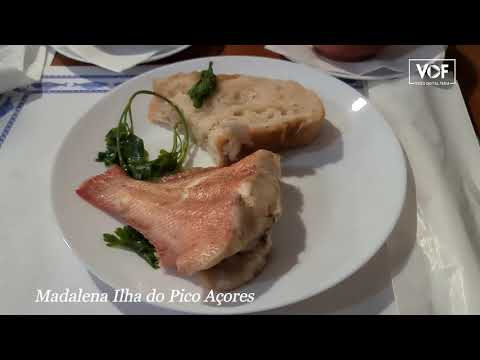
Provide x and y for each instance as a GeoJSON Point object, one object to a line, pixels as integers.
{"type": "Point", "coordinates": [391, 62]}
{"type": "Point", "coordinates": [21, 65]}
{"type": "Point", "coordinates": [114, 57]}
{"type": "Point", "coordinates": [441, 241]}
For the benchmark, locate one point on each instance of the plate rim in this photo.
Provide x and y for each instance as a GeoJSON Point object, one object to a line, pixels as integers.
{"type": "Point", "coordinates": [237, 310]}
{"type": "Point", "coordinates": [351, 76]}
{"type": "Point", "coordinates": [72, 55]}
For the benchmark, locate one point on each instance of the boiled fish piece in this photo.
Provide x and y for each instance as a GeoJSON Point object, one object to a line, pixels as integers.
{"type": "Point", "coordinates": [198, 218]}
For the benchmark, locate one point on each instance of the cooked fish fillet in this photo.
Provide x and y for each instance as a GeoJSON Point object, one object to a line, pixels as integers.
{"type": "Point", "coordinates": [198, 218]}
{"type": "Point", "coordinates": [239, 268]}
{"type": "Point", "coordinates": [245, 114]}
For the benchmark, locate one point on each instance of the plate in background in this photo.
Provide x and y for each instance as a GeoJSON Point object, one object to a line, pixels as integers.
{"type": "Point", "coordinates": [163, 52]}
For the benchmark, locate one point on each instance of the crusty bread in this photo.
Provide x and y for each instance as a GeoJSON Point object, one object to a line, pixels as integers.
{"type": "Point", "coordinates": [245, 114]}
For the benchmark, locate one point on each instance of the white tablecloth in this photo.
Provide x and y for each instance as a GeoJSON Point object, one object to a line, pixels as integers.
{"type": "Point", "coordinates": [434, 252]}
{"type": "Point", "coordinates": [429, 256]}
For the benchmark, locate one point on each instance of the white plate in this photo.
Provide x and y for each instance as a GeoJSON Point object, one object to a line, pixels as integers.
{"type": "Point", "coordinates": [341, 195]}
{"type": "Point", "coordinates": [345, 70]}
{"type": "Point", "coordinates": [383, 74]}
{"type": "Point", "coordinates": [388, 75]}
{"type": "Point", "coordinates": [390, 63]}
{"type": "Point", "coordinates": [163, 52]}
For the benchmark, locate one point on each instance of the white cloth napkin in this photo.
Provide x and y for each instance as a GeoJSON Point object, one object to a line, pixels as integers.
{"type": "Point", "coordinates": [21, 65]}
{"type": "Point", "coordinates": [113, 57]}
{"type": "Point", "coordinates": [442, 270]}
{"type": "Point", "coordinates": [391, 62]}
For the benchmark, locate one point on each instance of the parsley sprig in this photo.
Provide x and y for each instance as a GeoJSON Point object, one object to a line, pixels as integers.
{"type": "Point", "coordinates": [205, 87]}
{"type": "Point", "coordinates": [127, 150]}
{"type": "Point", "coordinates": [130, 239]}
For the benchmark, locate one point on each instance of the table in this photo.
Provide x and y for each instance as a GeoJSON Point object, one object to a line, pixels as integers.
{"type": "Point", "coordinates": [467, 56]}
{"type": "Point", "coordinates": [442, 166]}
{"type": "Point", "coordinates": [468, 70]}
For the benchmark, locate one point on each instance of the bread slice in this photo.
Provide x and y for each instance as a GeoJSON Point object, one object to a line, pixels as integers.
{"type": "Point", "coordinates": [245, 114]}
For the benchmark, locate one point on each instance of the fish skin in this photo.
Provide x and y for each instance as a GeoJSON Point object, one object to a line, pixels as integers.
{"type": "Point", "coordinates": [189, 217]}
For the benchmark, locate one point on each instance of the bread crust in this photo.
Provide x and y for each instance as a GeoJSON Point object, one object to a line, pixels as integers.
{"type": "Point", "coordinates": [276, 138]}
{"type": "Point", "coordinates": [228, 144]}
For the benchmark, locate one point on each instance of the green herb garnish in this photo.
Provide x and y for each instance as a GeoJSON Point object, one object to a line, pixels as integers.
{"type": "Point", "coordinates": [127, 149]}
{"type": "Point", "coordinates": [130, 239]}
{"type": "Point", "coordinates": [204, 87]}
